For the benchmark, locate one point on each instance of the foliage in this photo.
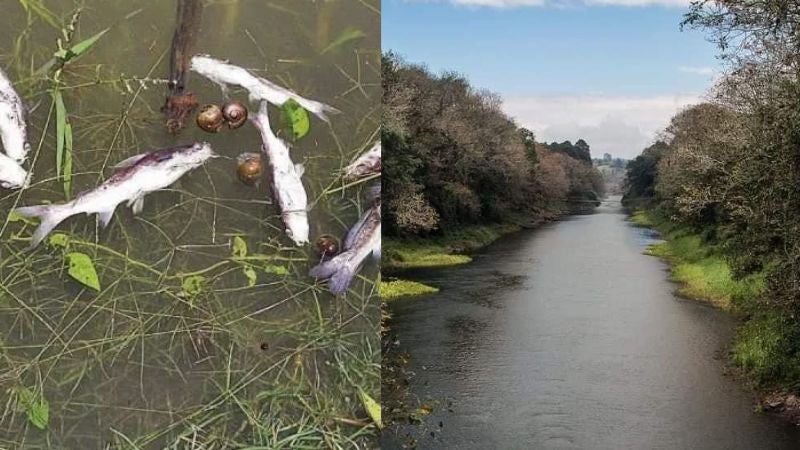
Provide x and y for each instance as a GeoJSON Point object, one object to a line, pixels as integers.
{"type": "Point", "coordinates": [454, 159]}
{"type": "Point", "coordinates": [728, 170]}
{"type": "Point", "coordinates": [401, 288]}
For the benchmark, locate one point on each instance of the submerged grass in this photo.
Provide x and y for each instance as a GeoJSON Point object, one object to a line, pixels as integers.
{"type": "Point", "coordinates": [443, 250]}
{"type": "Point", "coordinates": [205, 331]}
{"type": "Point", "coordinates": [401, 288]}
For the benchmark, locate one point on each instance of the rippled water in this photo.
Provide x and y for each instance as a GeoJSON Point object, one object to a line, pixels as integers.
{"type": "Point", "coordinates": [569, 337]}
{"type": "Point", "coordinates": [143, 364]}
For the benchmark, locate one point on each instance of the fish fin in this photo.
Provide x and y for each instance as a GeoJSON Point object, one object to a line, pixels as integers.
{"type": "Point", "coordinates": [138, 205]}
{"type": "Point", "coordinates": [300, 169]}
{"type": "Point", "coordinates": [337, 271]}
{"type": "Point", "coordinates": [50, 216]}
{"type": "Point", "coordinates": [320, 110]}
{"type": "Point", "coordinates": [106, 216]}
{"type": "Point", "coordinates": [376, 253]}
{"type": "Point", "coordinates": [128, 162]}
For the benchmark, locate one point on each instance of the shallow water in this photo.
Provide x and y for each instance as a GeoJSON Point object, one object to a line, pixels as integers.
{"type": "Point", "coordinates": [568, 337]}
{"type": "Point", "coordinates": [140, 363]}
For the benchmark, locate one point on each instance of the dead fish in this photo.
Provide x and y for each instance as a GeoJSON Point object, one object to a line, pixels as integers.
{"type": "Point", "coordinates": [12, 175]}
{"type": "Point", "coordinates": [13, 130]}
{"type": "Point", "coordinates": [225, 74]}
{"type": "Point", "coordinates": [134, 178]}
{"type": "Point", "coordinates": [365, 165]}
{"type": "Point", "coordinates": [287, 187]}
{"type": "Point", "coordinates": [363, 240]}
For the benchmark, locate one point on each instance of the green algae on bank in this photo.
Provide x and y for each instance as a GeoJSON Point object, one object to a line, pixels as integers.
{"type": "Point", "coordinates": [402, 288]}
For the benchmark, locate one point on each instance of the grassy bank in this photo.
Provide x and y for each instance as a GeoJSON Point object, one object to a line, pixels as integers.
{"type": "Point", "coordinates": [445, 250]}
{"type": "Point", "coordinates": [399, 288]}
{"type": "Point", "coordinates": [764, 344]}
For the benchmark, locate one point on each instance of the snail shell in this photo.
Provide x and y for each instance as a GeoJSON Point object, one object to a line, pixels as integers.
{"type": "Point", "coordinates": [250, 168]}
{"type": "Point", "coordinates": [235, 113]}
{"type": "Point", "coordinates": [210, 118]}
{"type": "Point", "coordinates": [327, 246]}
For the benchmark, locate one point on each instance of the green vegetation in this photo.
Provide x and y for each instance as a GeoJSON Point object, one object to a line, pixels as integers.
{"type": "Point", "coordinates": [727, 175]}
{"type": "Point", "coordinates": [454, 160]}
{"type": "Point", "coordinates": [401, 288]}
{"type": "Point", "coordinates": [193, 324]}
{"type": "Point", "coordinates": [443, 250]}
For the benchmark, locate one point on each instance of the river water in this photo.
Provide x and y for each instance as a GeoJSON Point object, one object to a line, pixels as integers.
{"type": "Point", "coordinates": [568, 337]}
{"type": "Point", "coordinates": [253, 352]}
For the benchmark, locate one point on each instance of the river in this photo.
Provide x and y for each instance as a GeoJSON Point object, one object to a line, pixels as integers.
{"type": "Point", "coordinates": [568, 337]}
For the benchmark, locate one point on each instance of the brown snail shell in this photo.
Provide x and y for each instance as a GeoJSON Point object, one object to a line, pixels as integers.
{"type": "Point", "coordinates": [235, 113]}
{"type": "Point", "coordinates": [250, 168]}
{"type": "Point", "coordinates": [210, 118]}
{"type": "Point", "coordinates": [327, 246]}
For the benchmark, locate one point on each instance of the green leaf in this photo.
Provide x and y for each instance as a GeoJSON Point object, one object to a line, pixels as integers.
{"type": "Point", "coordinates": [36, 406]}
{"type": "Point", "coordinates": [14, 216]}
{"type": "Point", "coordinates": [61, 124]}
{"type": "Point", "coordinates": [347, 35]}
{"type": "Point", "coordinates": [296, 118]}
{"type": "Point", "coordinates": [239, 247]}
{"type": "Point", "coordinates": [193, 286]}
{"type": "Point", "coordinates": [81, 268]}
{"type": "Point", "coordinates": [84, 45]}
{"type": "Point", "coordinates": [59, 240]}
{"type": "Point", "coordinates": [277, 270]}
{"type": "Point", "coordinates": [250, 273]}
{"type": "Point", "coordinates": [68, 160]}
{"type": "Point", "coordinates": [372, 407]}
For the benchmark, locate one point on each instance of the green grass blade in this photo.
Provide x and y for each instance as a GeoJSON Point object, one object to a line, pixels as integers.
{"type": "Point", "coordinates": [68, 160]}
{"type": "Point", "coordinates": [61, 122]}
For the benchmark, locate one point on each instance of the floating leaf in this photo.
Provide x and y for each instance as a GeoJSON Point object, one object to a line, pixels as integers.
{"type": "Point", "coordinates": [250, 273]}
{"type": "Point", "coordinates": [239, 247]}
{"type": "Point", "coordinates": [36, 406]}
{"type": "Point", "coordinates": [296, 118]}
{"type": "Point", "coordinates": [347, 35]}
{"type": "Point", "coordinates": [372, 407]}
{"type": "Point", "coordinates": [277, 270]}
{"type": "Point", "coordinates": [58, 240]}
{"type": "Point", "coordinates": [194, 285]}
{"type": "Point", "coordinates": [81, 268]}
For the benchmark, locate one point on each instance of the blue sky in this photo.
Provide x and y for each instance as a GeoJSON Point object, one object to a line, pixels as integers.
{"type": "Point", "coordinates": [599, 69]}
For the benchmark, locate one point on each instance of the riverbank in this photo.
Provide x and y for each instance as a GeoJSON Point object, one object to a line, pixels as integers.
{"type": "Point", "coordinates": [758, 351]}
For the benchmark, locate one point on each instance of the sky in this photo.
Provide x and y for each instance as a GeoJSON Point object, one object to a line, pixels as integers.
{"type": "Point", "coordinates": [612, 72]}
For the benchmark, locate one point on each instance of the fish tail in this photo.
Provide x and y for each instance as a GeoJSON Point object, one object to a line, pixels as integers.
{"type": "Point", "coordinates": [338, 271]}
{"type": "Point", "coordinates": [320, 110]}
{"type": "Point", "coordinates": [50, 216]}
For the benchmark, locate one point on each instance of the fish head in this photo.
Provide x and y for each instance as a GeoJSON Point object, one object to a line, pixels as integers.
{"type": "Point", "coordinates": [297, 228]}
{"type": "Point", "coordinates": [13, 176]}
{"type": "Point", "coordinates": [192, 156]}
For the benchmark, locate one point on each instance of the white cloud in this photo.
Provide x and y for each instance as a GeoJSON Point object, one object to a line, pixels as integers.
{"type": "Point", "coordinates": [562, 3]}
{"type": "Point", "coordinates": [620, 125]}
{"type": "Point", "coordinates": [705, 71]}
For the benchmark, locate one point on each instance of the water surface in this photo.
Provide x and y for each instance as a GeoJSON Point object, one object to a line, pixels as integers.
{"type": "Point", "coordinates": [256, 353]}
{"type": "Point", "coordinates": [568, 337]}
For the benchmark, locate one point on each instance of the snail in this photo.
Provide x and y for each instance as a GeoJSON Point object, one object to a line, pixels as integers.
{"type": "Point", "coordinates": [250, 167]}
{"type": "Point", "coordinates": [327, 246]}
{"type": "Point", "coordinates": [235, 114]}
{"type": "Point", "coordinates": [210, 118]}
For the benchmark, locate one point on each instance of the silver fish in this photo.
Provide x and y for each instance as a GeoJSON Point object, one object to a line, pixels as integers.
{"type": "Point", "coordinates": [365, 165]}
{"type": "Point", "coordinates": [134, 178]}
{"type": "Point", "coordinates": [12, 175]}
{"type": "Point", "coordinates": [225, 74]}
{"type": "Point", "coordinates": [12, 122]}
{"type": "Point", "coordinates": [287, 187]}
{"type": "Point", "coordinates": [363, 240]}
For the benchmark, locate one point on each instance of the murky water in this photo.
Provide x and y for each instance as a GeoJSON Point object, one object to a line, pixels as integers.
{"type": "Point", "coordinates": [146, 362]}
{"type": "Point", "coordinates": [569, 337]}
